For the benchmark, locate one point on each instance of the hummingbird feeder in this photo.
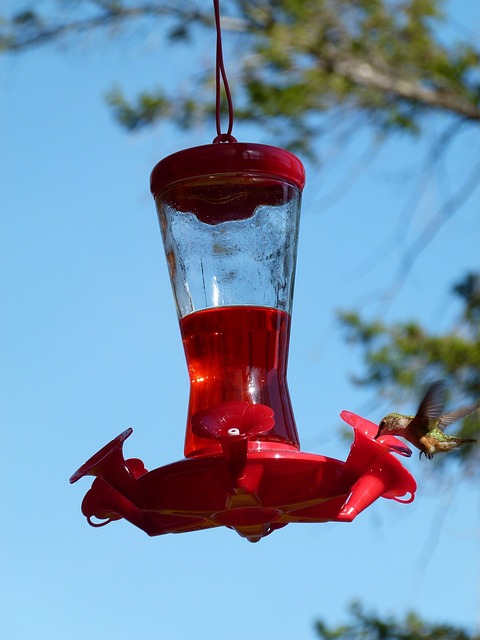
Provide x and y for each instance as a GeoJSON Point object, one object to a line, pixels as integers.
{"type": "Point", "coordinates": [229, 216]}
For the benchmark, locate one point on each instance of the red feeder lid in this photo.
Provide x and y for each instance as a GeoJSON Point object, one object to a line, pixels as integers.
{"type": "Point", "coordinates": [226, 158]}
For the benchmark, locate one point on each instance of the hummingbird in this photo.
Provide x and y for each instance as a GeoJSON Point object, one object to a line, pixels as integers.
{"type": "Point", "coordinates": [425, 430]}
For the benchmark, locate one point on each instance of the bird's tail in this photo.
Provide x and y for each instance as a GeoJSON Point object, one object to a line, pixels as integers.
{"type": "Point", "coordinates": [463, 440]}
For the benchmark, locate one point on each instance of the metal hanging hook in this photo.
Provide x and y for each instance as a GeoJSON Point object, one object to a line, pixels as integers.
{"type": "Point", "coordinates": [221, 76]}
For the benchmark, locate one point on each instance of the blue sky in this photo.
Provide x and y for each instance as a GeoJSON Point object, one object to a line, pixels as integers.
{"type": "Point", "coordinates": [90, 345]}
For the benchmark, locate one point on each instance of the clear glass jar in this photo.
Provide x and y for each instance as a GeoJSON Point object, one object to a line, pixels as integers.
{"type": "Point", "coordinates": [229, 216]}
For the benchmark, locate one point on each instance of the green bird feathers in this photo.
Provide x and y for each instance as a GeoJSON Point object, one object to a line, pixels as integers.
{"type": "Point", "coordinates": [425, 430]}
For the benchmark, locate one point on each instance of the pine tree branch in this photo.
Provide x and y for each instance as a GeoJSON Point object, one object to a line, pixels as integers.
{"type": "Point", "coordinates": [366, 74]}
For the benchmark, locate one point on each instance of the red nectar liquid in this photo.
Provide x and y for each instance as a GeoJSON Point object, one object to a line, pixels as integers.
{"type": "Point", "coordinates": [238, 353]}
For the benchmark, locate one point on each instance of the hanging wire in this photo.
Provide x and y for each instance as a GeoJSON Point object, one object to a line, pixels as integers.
{"type": "Point", "coordinates": [221, 75]}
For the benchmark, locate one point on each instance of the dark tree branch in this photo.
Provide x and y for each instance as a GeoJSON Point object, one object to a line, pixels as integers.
{"type": "Point", "coordinates": [31, 31]}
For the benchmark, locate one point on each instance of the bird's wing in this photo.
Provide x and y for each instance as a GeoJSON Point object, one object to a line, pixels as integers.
{"type": "Point", "coordinates": [431, 406]}
{"type": "Point", "coordinates": [453, 416]}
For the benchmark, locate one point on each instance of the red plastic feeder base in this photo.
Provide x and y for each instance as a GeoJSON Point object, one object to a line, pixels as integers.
{"type": "Point", "coordinates": [252, 486]}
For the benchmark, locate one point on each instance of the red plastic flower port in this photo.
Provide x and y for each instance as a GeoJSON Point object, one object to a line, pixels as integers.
{"type": "Point", "coordinates": [370, 429]}
{"type": "Point", "coordinates": [374, 472]}
{"type": "Point", "coordinates": [234, 424]}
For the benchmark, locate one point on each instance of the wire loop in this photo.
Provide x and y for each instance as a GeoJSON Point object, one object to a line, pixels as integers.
{"type": "Point", "coordinates": [221, 76]}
